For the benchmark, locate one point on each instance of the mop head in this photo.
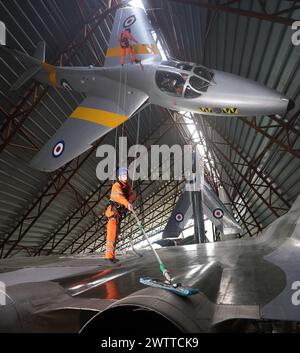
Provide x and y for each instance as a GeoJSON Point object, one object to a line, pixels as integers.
{"type": "Point", "coordinates": [174, 288]}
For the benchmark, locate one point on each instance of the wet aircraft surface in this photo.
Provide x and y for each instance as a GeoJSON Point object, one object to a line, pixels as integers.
{"type": "Point", "coordinates": [242, 278]}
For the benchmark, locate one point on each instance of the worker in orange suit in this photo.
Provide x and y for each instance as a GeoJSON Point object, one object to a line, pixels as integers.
{"type": "Point", "coordinates": [126, 48]}
{"type": "Point", "coordinates": [120, 201]}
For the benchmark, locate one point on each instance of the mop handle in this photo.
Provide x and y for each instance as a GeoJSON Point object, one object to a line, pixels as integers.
{"type": "Point", "coordinates": [162, 266]}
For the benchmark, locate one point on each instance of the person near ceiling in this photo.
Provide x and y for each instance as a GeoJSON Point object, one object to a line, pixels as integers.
{"type": "Point", "coordinates": [126, 47]}
{"type": "Point", "coordinates": [120, 202]}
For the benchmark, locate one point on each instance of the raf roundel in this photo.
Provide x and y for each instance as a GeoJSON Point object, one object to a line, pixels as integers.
{"type": "Point", "coordinates": [179, 217]}
{"type": "Point", "coordinates": [58, 149]}
{"type": "Point", "coordinates": [129, 21]}
{"type": "Point", "coordinates": [218, 213]}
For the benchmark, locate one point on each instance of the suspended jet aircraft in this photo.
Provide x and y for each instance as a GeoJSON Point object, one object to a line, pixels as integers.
{"type": "Point", "coordinates": [115, 92]}
{"type": "Point", "coordinates": [245, 284]}
{"type": "Point", "coordinates": [213, 208]}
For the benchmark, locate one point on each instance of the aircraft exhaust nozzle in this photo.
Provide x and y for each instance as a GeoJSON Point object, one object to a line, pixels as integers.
{"type": "Point", "coordinates": [166, 311]}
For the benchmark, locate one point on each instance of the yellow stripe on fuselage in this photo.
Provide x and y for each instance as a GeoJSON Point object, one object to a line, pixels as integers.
{"type": "Point", "coordinates": [144, 49]}
{"type": "Point", "coordinates": [98, 116]}
{"type": "Point", "coordinates": [51, 72]}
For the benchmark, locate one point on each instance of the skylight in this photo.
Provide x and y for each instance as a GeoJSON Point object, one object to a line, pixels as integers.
{"type": "Point", "coordinates": [139, 3]}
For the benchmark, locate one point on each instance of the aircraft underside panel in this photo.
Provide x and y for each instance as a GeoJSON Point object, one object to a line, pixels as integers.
{"type": "Point", "coordinates": [86, 124]}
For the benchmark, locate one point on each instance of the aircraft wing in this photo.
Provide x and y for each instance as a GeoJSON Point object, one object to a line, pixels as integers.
{"type": "Point", "coordinates": [87, 123]}
{"type": "Point", "coordinates": [213, 208]}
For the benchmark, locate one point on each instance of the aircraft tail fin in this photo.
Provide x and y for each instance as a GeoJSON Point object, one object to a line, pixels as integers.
{"type": "Point", "coordinates": [40, 52]}
{"type": "Point", "coordinates": [134, 19]}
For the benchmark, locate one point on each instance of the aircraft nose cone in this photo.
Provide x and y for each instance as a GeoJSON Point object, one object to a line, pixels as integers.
{"type": "Point", "coordinates": [291, 105]}
{"type": "Point", "coordinates": [250, 97]}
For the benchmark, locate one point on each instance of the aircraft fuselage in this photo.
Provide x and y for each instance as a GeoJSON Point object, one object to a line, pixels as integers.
{"type": "Point", "coordinates": [190, 87]}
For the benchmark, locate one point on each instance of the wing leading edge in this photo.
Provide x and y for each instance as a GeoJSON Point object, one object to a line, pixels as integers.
{"type": "Point", "coordinates": [94, 118]}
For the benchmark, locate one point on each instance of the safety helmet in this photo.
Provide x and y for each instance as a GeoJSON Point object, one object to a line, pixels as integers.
{"type": "Point", "coordinates": [122, 171]}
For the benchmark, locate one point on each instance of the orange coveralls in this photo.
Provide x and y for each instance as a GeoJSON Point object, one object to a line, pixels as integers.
{"type": "Point", "coordinates": [122, 194]}
{"type": "Point", "coordinates": [125, 46]}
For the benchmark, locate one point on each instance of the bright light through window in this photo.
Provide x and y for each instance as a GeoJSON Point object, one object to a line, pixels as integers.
{"type": "Point", "coordinates": [139, 3]}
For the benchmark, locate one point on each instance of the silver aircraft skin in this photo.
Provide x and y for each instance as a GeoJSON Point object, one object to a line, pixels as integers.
{"type": "Point", "coordinates": [114, 92]}
{"type": "Point", "coordinates": [254, 280]}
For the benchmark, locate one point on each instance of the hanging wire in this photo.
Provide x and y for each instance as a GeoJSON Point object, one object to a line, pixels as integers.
{"type": "Point", "coordinates": [115, 159]}
{"type": "Point", "coordinates": [136, 143]}
{"type": "Point", "coordinates": [124, 105]}
{"type": "Point", "coordinates": [119, 109]}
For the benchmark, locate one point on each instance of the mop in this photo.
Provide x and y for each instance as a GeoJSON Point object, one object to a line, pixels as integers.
{"type": "Point", "coordinates": [168, 284]}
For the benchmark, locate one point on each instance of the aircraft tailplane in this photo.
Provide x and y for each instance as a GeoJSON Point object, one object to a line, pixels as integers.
{"type": "Point", "coordinates": [33, 64]}
{"type": "Point", "coordinates": [27, 75]}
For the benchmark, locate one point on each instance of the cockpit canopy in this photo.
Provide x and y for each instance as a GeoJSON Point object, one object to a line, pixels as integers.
{"type": "Point", "coordinates": [178, 64]}
{"type": "Point", "coordinates": [187, 80]}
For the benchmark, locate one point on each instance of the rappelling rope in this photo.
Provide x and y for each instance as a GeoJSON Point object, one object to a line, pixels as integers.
{"type": "Point", "coordinates": [136, 143]}
{"type": "Point", "coordinates": [124, 105]}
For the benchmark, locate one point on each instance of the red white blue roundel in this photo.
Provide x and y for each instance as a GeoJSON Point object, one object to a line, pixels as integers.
{"type": "Point", "coordinates": [218, 213]}
{"type": "Point", "coordinates": [179, 217]}
{"type": "Point", "coordinates": [129, 21]}
{"type": "Point", "coordinates": [58, 149]}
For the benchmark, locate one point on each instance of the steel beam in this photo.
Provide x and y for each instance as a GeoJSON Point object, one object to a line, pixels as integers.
{"type": "Point", "coordinates": [151, 211]}
{"type": "Point", "coordinates": [130, 221]}
{"type": "Point", "coordinates": [43, 201]}
{"type": "Point", "coordinates": [236, 11]}
{"type": "Point", "coordinates": [153, 131]}
{"type": "Point", "coordinates": [287, 128]}
{"type": "Point", "coordinates": [250, 165]}
{"type": "Point", "coordinates": [94, 224]}
{"type": "Point", "coordinates": [246, 180]}
{"type": "Point", "coordinates": [215, 151]}
{"type": "Point", "coordinates": [18, 114]}
{"type": "Point", "coordinates": [102, 219]}
{"type": "Point", "coordinates": [164, 213]}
